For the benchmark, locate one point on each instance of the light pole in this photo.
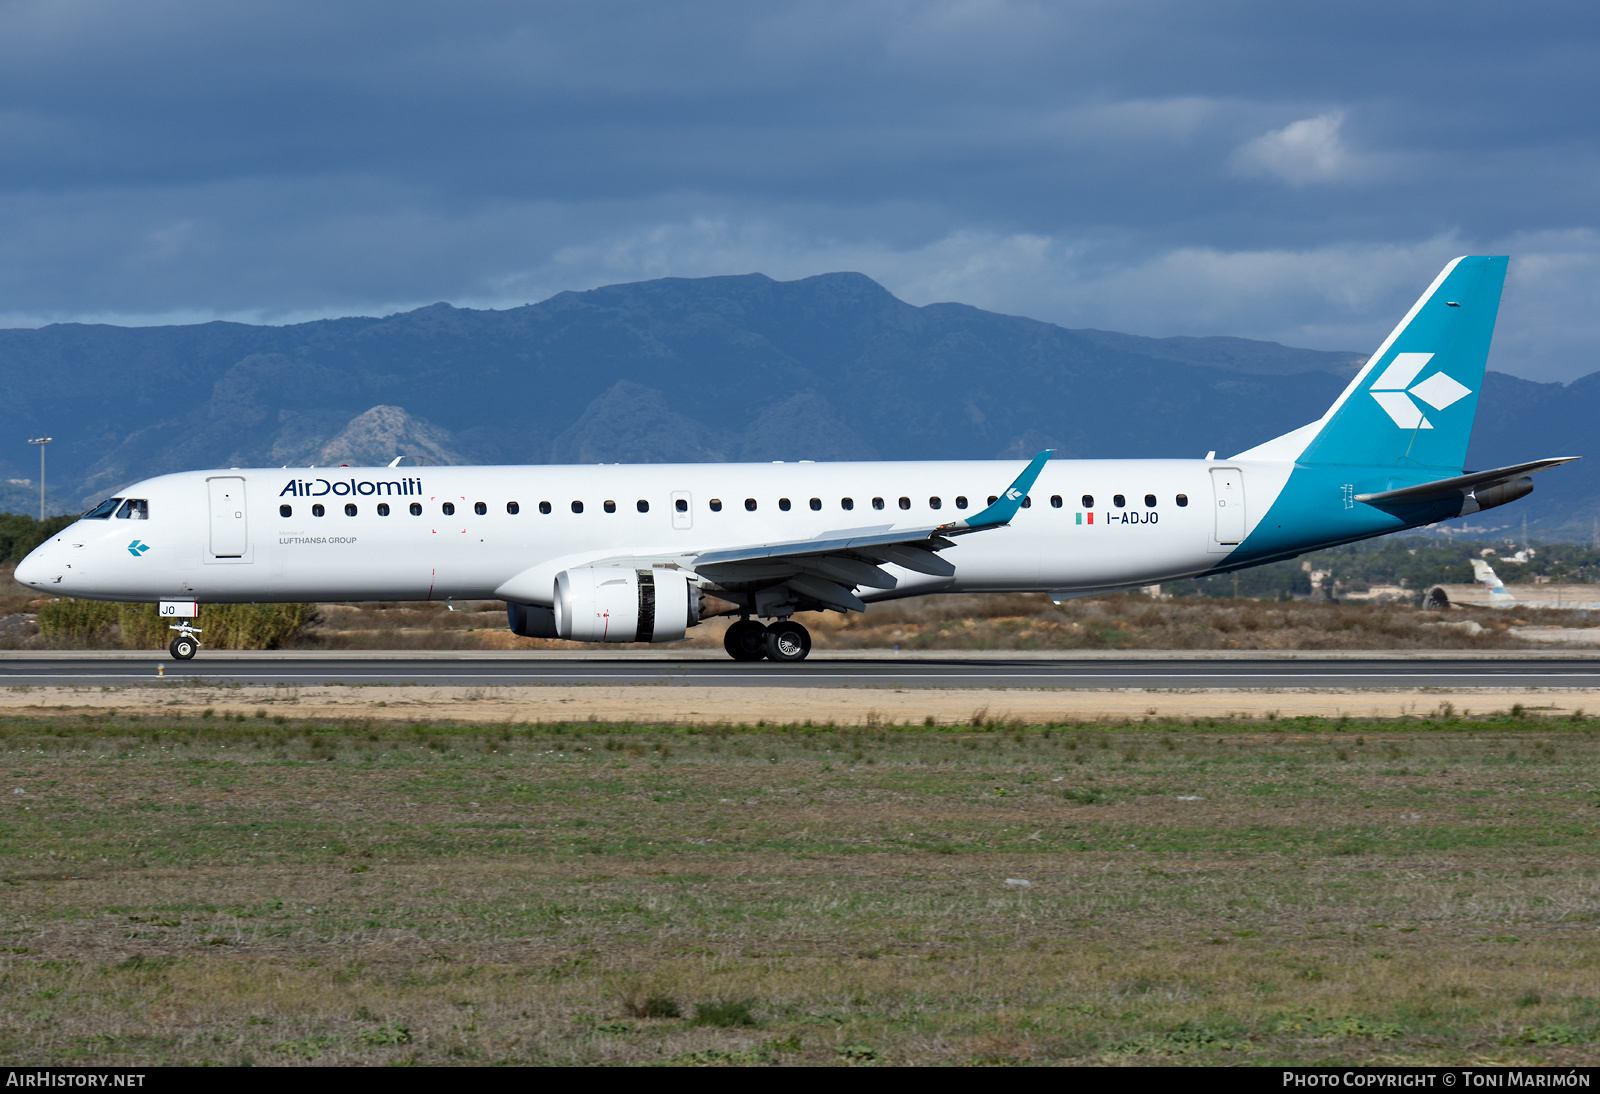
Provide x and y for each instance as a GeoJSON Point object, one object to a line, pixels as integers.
{"type": "Point", "coordinates": [41, 442]}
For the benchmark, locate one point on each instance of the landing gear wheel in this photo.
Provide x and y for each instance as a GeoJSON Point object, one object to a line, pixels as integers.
{"type": "Point", "coordinates": [183, 648]}
{"type": "Point", "coordinates": [745, 641]}
{"type": "Point", "coordinates": [787, 641]}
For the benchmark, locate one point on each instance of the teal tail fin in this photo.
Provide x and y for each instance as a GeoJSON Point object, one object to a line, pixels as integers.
{"type": "Point", "coordinates": [1413, 403]}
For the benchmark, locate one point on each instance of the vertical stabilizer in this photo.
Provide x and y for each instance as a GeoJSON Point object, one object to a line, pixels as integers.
{"type": "Point", "coordinates": [1413, 403]}
{"type": "Point", "coordinates": [1483, 573]}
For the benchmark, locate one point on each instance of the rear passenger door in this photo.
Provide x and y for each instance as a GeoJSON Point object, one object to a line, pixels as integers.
{"type": "Point", "coordinates": [1227, 494]}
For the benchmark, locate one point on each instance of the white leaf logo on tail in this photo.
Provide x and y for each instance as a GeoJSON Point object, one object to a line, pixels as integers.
{"type": "Point", "coordinates": [1394, 393]}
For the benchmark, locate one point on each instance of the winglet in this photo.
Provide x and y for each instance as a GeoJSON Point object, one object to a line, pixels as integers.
{"type": "Point", "coordinates": [1006, 505]}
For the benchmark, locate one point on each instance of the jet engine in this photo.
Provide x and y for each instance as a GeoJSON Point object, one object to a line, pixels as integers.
{"type": "Point", "coordinates": [613, 604]}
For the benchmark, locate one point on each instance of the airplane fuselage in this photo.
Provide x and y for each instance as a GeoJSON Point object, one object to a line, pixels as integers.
{"type": "Point", "coordinates": [470, 532]}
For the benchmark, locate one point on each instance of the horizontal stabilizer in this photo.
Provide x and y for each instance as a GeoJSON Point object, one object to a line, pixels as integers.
{"type": "Point", "coordinates": [1461, 485]}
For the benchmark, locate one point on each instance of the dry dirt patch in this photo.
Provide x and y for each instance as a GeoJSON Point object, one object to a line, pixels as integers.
{"type": "Point", "coordinates": [690, 705]}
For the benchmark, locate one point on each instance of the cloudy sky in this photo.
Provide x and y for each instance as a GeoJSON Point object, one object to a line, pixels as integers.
{"type": "Point", "coordinates": [1295, 172]}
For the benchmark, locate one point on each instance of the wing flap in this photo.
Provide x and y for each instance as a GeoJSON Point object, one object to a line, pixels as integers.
{"type": "Point", "coordinates": [828, 592]}
{"type": "Point", "coordinates": [912, 557]}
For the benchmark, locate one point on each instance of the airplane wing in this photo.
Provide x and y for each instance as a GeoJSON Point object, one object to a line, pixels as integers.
{"type": "Point", "coordinates": [827, 569]}
{"type": "Point", "coordinates": [1462, 485]}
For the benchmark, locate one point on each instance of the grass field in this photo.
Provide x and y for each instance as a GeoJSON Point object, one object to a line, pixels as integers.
{"type": "Point", "coordinates": [183, 890]}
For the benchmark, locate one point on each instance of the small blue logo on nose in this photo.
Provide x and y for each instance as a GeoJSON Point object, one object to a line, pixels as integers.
{"type": "Point", "coordinates": [136, 548]}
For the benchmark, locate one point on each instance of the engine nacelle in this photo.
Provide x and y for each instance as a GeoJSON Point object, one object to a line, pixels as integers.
{"type": "Point", "coordinates": [613, 604]}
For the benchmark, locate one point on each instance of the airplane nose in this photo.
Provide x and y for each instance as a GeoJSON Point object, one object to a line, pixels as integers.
{"type": "Point", "coordinates": [32, 571]}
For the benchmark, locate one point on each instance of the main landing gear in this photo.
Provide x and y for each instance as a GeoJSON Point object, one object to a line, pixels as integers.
{"type": "Point", "coordinates": [785, 640]}
{"type": "Point", "coordinates": [184, 643]}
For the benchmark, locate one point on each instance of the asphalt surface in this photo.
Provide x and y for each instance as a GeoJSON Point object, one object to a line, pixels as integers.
{"type": "Point", "coordinates": [887, 671]}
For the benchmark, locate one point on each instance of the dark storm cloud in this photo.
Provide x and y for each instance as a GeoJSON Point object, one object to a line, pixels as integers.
{"type": "Point", "coordinates": [1264, 169]}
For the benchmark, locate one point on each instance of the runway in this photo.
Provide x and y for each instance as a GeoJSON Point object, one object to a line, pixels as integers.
{"type": "Point", "coordinates": [857, 670]}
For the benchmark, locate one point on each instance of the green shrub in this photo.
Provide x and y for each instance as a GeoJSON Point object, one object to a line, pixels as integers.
{"type": "Point", "coordinates": [20, 533]}
{"type": "Point", "coordinates": [653, 1005]}
{"type": "Point", "coordinates": [83, 620]}
{"type": "Point", "coordinates": [724, 1012]}
{"type": "Point", "coordinates": [222, 626]}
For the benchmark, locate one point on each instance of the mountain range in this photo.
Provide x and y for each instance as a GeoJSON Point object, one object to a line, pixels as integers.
{"type": "Point", "coordinates": [832, 367]}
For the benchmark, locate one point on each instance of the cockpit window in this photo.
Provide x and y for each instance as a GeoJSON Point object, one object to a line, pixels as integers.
{"type": "Point", "coordinates": [134, 509]}
{"type": "Point", "coordinates": [102, 511]}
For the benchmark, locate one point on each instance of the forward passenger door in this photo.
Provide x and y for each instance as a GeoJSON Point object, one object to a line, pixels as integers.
{"type": "Point", "coordinates": [230, 531]}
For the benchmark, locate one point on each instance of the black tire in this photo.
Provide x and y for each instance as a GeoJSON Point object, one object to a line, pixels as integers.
{"type": "Point", "coordinates": [787, 641]}
{"type": "Point", "coordinates": [746, 641]}
{"type": "Point", "coordinates": [183, 648]}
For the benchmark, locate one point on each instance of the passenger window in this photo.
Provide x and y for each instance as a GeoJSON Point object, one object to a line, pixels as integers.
{"type": "Point", "coordinates": [816, 505]}
{"type": "Point", "coordinates": [416, 508]}
{"type": "Point", "coordinates": [1055, 501]}
{"type": "Point", "coordinates": [716, 505]}
{"type": "Point", "coordinates": [1027, 502]}
{"type": "Point", "coordinates": [104, 510]}
{"type": "Point", "coordinates": [544, 507]}
{"type": "Point", "coordinates": [479, 508]}
{"type": "Point", "coordinates": [285, 510]}
{"type": "Point", "coordinates": [783, 503]}
{"type": "Point", "coordinates": [609, 506]}
{"type": "Point", "coordinates": [317, 510]}
{"type": "Point", "coordinates": [513, 508]}
{"type": "Point", "coordinates": [905, 503]}
{"type": "Point", "coordinates": [877, 503]}
{"type": "Point", "coordinates": [961, 501]}
{"type": "Point", "coordinates": [1183, 501]}
{"type": "Point", "coordinates": [1088, 501]}
{"type": "Point", "coordinates": [1149, 501]}
{"type": "Point", "coordinates": [934, 503]}
{"type": "Point", "coordinates": [993, 499]}
{"type": "Point", "coordinates": [681, 505]}
{"type": "Point", "coordinates": [449, 508]}
{"type": "Point", "coordinates": [134, 509]}
{"type": "Point", "coordinates": [349, 509]}
{"type": "Point", "coordinates": [749, 505]}
{"type": "Point", "coordinates": [1118, 500]}
{"type": "Point", "coordinates": [847, 503]}
{"type": "Point", "coordinates": [383, 508]}
{"type": "Point", "coordinates": [577, 507]}
{"type": "Point", "coordinates": [644, 506]}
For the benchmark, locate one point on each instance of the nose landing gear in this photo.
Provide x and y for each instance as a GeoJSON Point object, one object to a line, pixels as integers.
{"type": "Point", "coordinates": [747, 640]}
{"type": "Point", "coordinates": [184, 643]}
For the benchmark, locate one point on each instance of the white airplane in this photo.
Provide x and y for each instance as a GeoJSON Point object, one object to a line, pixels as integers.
{"type": "Point", "coordinates": [1499, 596]}
{"type": "Point", "coordinates": [634, 553]}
